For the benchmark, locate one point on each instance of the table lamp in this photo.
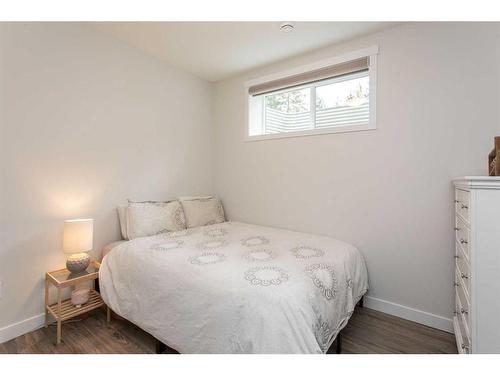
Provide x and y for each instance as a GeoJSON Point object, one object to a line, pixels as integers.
{"type": "Point", "coordinates": [77, 240]}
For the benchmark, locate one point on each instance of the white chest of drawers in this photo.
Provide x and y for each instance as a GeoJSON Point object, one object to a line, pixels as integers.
{"type": "Point", "coordinates": [477, 264]}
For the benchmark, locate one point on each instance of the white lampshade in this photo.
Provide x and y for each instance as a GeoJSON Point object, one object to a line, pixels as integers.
{"type": "Point", "coordinates": [78, 235]}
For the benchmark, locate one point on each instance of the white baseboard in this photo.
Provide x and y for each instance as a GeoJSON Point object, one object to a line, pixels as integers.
{"type": "Point", "coordinates": [435, 321]}
{"type": "Point", "coordinates": [409, 313]}
{"type": "Point", "coordinates": [20, 328]}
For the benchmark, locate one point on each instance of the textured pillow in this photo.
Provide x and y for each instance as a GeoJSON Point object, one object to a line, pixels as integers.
{"type": "Point", "coordinates": [202, 211]}
{"type": "Point", "coordinates": [122, 218]}
{"type": "Point", "coordinates": [150, 218]}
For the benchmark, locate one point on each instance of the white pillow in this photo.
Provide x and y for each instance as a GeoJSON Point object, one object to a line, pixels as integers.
{"type": "Point", "coordinates": [200, 211]}
{"type": "Point", "coordinates": [122, 218]}
{"type": "Point", "coordinates": [190, 198]}
{"type": "Point", "coordinates": [150, 218]}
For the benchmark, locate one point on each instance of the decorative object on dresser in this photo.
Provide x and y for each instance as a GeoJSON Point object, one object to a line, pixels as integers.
{"type": "Point", "coordinates": [77, 240]}
{"type": "Point", "coordinates": [63, 310]}
{"type": "Point", "coordinates": [477, 264]}
{"type": "Point", "coordinates": [494, 159]}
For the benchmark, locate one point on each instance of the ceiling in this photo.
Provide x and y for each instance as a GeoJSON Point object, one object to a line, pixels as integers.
{"type": "Point", "coordinates": [218, 50]}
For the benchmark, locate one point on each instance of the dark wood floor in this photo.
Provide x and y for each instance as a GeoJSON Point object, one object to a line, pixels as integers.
{"type": "Point", "coordinates": [368, 331]}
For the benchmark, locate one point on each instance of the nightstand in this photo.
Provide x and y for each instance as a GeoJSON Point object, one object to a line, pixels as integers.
{"type": "Point", "coordinates": [63, 309]}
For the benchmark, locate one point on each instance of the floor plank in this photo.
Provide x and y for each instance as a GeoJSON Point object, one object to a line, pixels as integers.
{"type": "Point", "coordinates": [368, 331]}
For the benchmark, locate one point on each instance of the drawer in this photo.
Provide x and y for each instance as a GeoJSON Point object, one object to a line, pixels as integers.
{"type": "Point", "coordinates": [463, 269]}
{"type": "Point", "coordinates": [462, 234]}
{"type": "Point", "coordinates": [462, 204]}
{"type": "Point", "coordinates": [461, 332]}
{"type": "Point", "coordinates": [464, 301]}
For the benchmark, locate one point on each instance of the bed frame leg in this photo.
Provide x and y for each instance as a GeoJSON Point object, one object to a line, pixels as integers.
{"type": "Point", "coordinates": [362, 302]}
{"type": "Point", "coordinates": [338, 350]}
{"type": "Point", "coordinates": [160, 347]}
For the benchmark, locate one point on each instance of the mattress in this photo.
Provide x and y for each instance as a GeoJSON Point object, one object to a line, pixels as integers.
{"type": "Point", "coordinates": [236, 288]}
{"type": "Point", "coordinates": [106, 249]}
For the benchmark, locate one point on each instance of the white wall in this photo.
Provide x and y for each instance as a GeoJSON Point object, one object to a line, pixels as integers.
{"type": "Point", "coordinates": [387, 191]}
{"type": "Point", "coordinates": [86, 122]}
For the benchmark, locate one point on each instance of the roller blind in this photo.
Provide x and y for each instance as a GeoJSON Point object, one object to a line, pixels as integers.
{"type": "Point", "coordinates": [348, 67]}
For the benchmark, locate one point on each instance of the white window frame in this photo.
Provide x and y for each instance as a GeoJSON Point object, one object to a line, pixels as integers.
{"type": "Point", "coordinates": [370, 52]}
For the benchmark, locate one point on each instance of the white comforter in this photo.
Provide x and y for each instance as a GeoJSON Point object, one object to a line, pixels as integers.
{"type": "Point", "coordinates": [236, 288]}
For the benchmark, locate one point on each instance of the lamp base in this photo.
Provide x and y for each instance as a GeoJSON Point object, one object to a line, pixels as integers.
{"type": "Point", "coordinates": [78, 262]}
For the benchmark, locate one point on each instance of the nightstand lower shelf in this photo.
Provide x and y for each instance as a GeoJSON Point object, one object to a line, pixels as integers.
{"type": "Point", "coordinates": [68, 310]}
{"type": "Point", "coordinates": [63, 309]}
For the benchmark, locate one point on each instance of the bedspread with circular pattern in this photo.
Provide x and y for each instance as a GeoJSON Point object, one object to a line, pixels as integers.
{"type": "Point", "coordinates": [236, 288]}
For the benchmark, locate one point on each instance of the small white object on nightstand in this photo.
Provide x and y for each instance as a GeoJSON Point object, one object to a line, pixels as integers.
{"type": "Point", "coordinates": [80, 297]}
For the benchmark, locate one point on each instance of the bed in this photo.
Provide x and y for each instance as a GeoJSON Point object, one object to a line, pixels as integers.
{"type": "Point", "coordinates": [236, 288]}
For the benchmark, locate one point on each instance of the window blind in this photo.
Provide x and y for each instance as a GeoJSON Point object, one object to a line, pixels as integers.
{"type": "Point", "coordinates": [337, 70]}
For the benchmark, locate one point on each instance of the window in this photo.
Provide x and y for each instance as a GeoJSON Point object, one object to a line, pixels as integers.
{"type": "Point", "coordinates": [326, 98]}
{"type": "Point", "coordinates": [287, 111]}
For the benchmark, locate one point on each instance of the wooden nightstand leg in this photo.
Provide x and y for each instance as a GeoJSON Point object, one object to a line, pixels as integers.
{"type": "Point", "coordinates": [59, 332]}
{"type": "Point", "coordinates": [59, 322]}
{"type": "Point", "coordinates": [108, 315]}
{"type": "Point", "coordinates": [46, 302]}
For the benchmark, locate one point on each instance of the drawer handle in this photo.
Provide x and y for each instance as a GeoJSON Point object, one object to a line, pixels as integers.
{"type": "Point", "coordinates": [456, 256]}
{"type": "Point", "coordinates": [465, 207]}
{"type": "Point", "coordinates": [464, 276]}
{"type": "Point", "coordinates": [456, 284]}
{"type": "Point", "coordinates": [463, 311]}
{"type": "Point", "coordinates": [457, 201]}
{"type": "Point", "coordinates": [456, 229]}
{"type": "Point", "coordinates": [463, 241]}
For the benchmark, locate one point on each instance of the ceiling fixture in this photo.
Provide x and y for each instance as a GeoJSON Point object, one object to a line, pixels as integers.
{"type": "Point", "coordinates": [286, 27]}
